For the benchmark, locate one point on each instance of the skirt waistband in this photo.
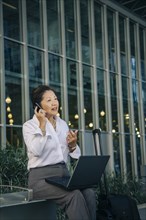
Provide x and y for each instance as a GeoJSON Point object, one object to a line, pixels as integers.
{"type": "Point", "coordinates": [49, 165]}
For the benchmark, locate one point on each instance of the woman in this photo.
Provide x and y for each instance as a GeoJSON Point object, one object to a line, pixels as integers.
{"type": "Point", "coordinates": [49, 145]}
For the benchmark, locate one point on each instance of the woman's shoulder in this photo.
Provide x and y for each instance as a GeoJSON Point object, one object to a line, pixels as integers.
{"type": "Point", "coordinates": [61, 121]}
{"type": "Point", "coordinates": [30, 122]}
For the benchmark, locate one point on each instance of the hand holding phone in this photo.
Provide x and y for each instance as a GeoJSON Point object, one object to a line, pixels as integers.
{"type": "Point", "coordinates": [38, 107]}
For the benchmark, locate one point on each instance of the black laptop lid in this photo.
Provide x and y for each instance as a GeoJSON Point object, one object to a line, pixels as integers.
{"type": "Point", "coordinates": [88, 171]}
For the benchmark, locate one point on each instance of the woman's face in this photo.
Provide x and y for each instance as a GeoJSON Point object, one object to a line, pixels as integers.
{"type": "Point", "coordinates": [50, 103]}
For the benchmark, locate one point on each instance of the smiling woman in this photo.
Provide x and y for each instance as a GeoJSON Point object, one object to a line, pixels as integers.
{"type": "Point", "coordinates": [49, 145]}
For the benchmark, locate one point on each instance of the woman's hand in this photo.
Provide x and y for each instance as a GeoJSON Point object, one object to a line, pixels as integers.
{"type": "Point", "coordinates": [72, 140]}
{"type": "Point", "coordinates": [41, 116]}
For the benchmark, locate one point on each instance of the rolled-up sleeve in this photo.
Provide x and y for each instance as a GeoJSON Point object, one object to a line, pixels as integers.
{"type": "Point", "coordinates": [76, 153]}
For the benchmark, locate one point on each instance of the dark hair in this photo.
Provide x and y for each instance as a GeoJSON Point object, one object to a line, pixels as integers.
{"type": "Point", "coordinates": [37, 94]}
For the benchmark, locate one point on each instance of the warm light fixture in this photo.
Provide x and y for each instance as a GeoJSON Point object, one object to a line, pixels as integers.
{"type": "Point", "coordinates": [76, 116]}
{"type": "Point", "coordinates": [8, 100]}
{"type": "Point", "coordinates": [102, 113]}
{"type": "Point", "coordinates": [10, 115]}
{"type": "Point", "coordinates": [127, 116]}
{"type": "Point", "coordinates": [90, 125]}
{"type": "Point", "coordinates": [8, 109]}
{"type": "Point", "coordinates": [11, 121]}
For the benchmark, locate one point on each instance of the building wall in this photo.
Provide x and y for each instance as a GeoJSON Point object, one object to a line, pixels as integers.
{"type": "Point", "coordinates": [94, 55]}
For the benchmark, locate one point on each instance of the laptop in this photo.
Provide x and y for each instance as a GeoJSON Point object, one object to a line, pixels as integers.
{"type": "Point", "coordinates": [87, 173]}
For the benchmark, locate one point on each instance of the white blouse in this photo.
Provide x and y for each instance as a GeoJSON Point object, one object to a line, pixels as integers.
{"type": "Point", "coordinates": [49, 149]}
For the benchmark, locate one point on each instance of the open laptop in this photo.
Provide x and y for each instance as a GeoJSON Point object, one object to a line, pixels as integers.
{"type": "Point", "coordinates": [87, 173]}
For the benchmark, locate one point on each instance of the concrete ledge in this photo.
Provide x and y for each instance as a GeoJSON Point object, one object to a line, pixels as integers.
{"type": "Point", "coordinates": [142, 211]}
{"type": "Point", "coordinates": [32, 210]}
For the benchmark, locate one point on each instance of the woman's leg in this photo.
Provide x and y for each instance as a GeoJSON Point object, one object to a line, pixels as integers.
{"type": "Point", "coordinates": [90, 198]}
{"type": "Point", "coordinates": [73, 202]}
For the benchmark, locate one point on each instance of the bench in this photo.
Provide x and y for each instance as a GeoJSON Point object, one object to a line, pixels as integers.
{"type": "Point", "coordinates": [19, 206]}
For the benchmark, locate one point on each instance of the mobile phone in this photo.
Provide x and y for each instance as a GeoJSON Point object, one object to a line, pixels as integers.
{"type": "Point", "coordinates": [38, 107]}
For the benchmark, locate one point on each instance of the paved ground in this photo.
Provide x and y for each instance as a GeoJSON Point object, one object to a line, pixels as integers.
{"type": "Point", "coordinates": [142, 211]}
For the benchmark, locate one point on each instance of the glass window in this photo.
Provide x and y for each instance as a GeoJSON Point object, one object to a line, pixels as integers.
{"type": "Point", "coordinates": [13, 83]}
{"type": "Point", "coordinates": [14, 137]}
{"type": "Point", "coordinates": [12, 58]}
{"type": "Point", "coordinates": [53, 24]}
{"type": "Point", "coordinates": [55, 77]}
{"type": "Point", "coordinates": [87, 97]}
{"type": "Point", "coordinates": [125, 104]}
{"type": "Point", "coordinates": [0, 137]}
{"type": "Point", "coordinates": [142, 60]}
{"type": "Point", "coordinates": [98, 35]}
{"type": "Point", "coordinates": [135, 104]}
{"type": "Point", "coordinates": [101, 99]}
{"type": "Point", "coordinates": [11, 20]}
{"type": "Point", "coordinates": [33, 22]}
{"type": "Point", "coordinates": [122, 45]}
{"type": "Point", "coordinates": [116, 148]}
{"type": "Point", "coordinates": [144, 102]}
{"type": "Point", "coordinates": [138, 151]}
{"type": "Point", "coordinates": [128, 154]}
{"type": "Point", "coordinates": [114, 106]}
{"type": "Point", "coordinates": [132, 49]}
{"type": "Point", "coordinates": [85, 31]}
{"type": "Point", "coordinates": [72, 94]}
{"type": "Point", "coordinates": [35, 64]}
{"type": "Point", "coordinates": [36, 76]}
{"type": "Point", "coordinates": [70, 28]}
{"type": "Point", "coordinates": [111, 41]}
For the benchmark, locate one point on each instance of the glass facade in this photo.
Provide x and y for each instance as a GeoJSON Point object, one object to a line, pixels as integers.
{"type": "Point", "coordinates": [95, 59]}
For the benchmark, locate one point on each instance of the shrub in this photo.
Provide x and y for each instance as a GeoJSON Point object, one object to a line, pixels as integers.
{"type": "Point", "coordinates": [13, 169]}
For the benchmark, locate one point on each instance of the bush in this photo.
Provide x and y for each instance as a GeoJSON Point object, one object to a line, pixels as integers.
{"type": "Point", "coordinates": [13, 169]}
{"type": "Point", "coordinates": [116, 184]}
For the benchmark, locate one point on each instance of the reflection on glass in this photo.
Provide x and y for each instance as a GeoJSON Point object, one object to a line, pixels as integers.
{"type": "Point", "coordinates": [70, 28]}
{"type": "Point", "coordinates": [54, 69]}
{"type": "Point", "coordinates": [85, 31]}
{"type": "Point", "coordinates": [13, 107]}
{"type": "Point", "coordinates": [125, 102]}
{"type": "Point", "coordinates": [142, 60]}
{"type": "Point", "coordinates": [11, 19]}
{"type": "Point", "coordinates": [13, 97]}
{"type": "Point", "coordinates": [55, 78]}
{"type": "Point", "coordinates": [72, 94]}
{"type": "Point", "coordinates": [12, 58]}
{"type": "Point", "coordinates": [132, 49]}
{"type": "Point", "coordinates": [98, 35]}
{"type": "Point", "coordinates": [33, 22]}
{"type": "Point", "coordinates": [101, 99]}
{"type": "Point", "coordinates": [53, 24]}
{"type": "Point", "coordinates": [87, 97]}
{"type": "Point", "coordinates": [111, 40]}
{"type": "Point", "coordinates": [35, 64]}
{"type": "Point", "coordinates": [116, 148]}
{"type": "Point", "coordinates": [114, 102]}
{"type": "Point", "coordinates": [122, 45]}
{"type": "Point", "coordinates": [135, 104]}
{"type": "Point", "coordinates": [144, 102]}
{"type": "Point", "coordinates": [14, 137]}
{"type": "Point", "coordinates": [128, 154]}
{"type": "Point", "coordinates": [138, 151]}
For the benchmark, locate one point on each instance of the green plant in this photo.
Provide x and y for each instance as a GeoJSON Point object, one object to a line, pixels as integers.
{"type": "Point", "coordinates": [13, 169]}
{"type": "Point", "coordinates": [116, 184]}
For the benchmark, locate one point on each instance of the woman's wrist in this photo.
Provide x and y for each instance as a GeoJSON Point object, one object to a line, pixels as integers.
{"type": "Point", "coordinates": [72, 147]}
